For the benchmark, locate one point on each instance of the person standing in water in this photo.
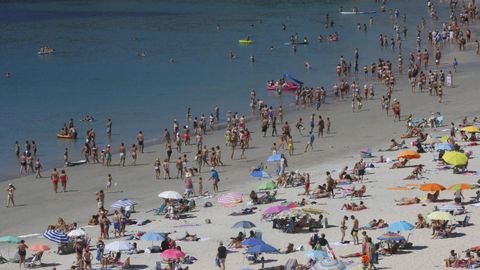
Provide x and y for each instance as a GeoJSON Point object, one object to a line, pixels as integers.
{"type": "Point", "coordinates": [140, 139]}
{"type": "Point", "coordinates": [123, 153]}
{"type": "Point", "coordinates": [38, 168]}
{"type": "Point", "coordinates": [109, 127]}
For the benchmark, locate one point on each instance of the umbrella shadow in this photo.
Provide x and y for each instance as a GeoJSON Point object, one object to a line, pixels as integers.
{"type": "Point", "coordinates": [456, 234]}
{"type": "Point", "coordinates": [49, 264]}
{"type": "Point", "coordinates": [416, 248]}
{"type": "Point", "coordinates": [138, 266]}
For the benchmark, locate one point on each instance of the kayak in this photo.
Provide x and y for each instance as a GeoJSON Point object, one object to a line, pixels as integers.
{"type": "Point", "coordinates": [75, 163]}
{"type": "Point", "coordinates": [71, 137]}
{"type": "Point", "coordinates": [357, 12]}
{"type": "Point", "coordinates": [246, 41]}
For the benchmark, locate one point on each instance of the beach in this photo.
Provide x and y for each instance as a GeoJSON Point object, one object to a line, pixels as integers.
{"type": "Point", "coordinates": [38, 206]}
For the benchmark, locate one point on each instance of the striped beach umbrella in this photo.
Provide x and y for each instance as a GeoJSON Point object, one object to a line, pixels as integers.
{"type": "Point", "coordinates": [123, 203]}
{"type": "Point", "coordinates": [460, 187]}
{"type": "Point", "coordinates": [230, 198]}
{"type": "Point", "coordinates": [316, 254]}
{"type": "Point", "coordinates": [55, 236]}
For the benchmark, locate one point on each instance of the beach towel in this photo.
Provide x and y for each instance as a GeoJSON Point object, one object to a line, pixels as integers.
{"type": "Point", "coordinates": [186, 225]}
{"type": "Point", "coordinates": [342, 244]}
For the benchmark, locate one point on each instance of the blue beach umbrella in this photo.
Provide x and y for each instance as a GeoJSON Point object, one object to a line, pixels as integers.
{"type": "Point", "coordinates": [316, 254]}
{"type": "Point", "coordinates": [58, 237]}
{"type": "Point", "coordinates": [444, 146]}
{"type": "Point", "coordinates": [274, 157]}
{"type": "Point", "coordinates": [244, 224]}
{"type": "Point", "coordinates": [123, 203]}
{"type": "Point", "coordinates": [329, 264]}
{"type": "Point", "coordinates": [260, 174]}
{"type": "Point", "coordinates": [400, 226]}
{"type": "Point", "coordinates": [152, 236]}
{"type": "Point", "coordinates": [262, 248]}
{"type": "Point", "coordinates": [251, 242]}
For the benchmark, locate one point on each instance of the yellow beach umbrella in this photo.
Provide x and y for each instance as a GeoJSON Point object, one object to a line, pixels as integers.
{"type": "Point", "coordinates": [409, 154]}
{"type": "Point", "coordinates": [471, 129]}
{"type": "Point", "coordinates": [455, 158]}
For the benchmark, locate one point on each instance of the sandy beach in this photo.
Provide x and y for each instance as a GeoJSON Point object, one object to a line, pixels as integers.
{"type": "Point", "coordinates": [37, 206]}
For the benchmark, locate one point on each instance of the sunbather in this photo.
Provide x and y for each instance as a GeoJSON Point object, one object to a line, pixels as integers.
{"type": "Point", "coordinates": [415, 173]}
{"type": "Point", "coordinates": [432, 197]}
{"type": "Point", "coordinates": [399, 164]}
{"type": "Point", "coordinates": [421, 222]}
{"type": "Point", "coordinates": [189, 237]}
{"type": "Point", "coordinates": [360, 192]}
{"type": "Point", "coordinates": [452, 260]}
{"type": "Point", "coordinates": [353, 206]}
{"type": "Point", "coordinates": [408, 201]}
{"type": "Point", "coordinates": [320, 192]}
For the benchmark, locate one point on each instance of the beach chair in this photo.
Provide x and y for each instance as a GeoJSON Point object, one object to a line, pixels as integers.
{"type": "Point", "coordinates": [291, 264]}
{"type": "Point", "coordinates": [439, 121]}
{"type": "Point", "coordinates": [159, 266]}
{"type": "Point", "coordinates": [36, 260]}
{"type": "Point", "coordinates": [160, 211]}
{"type": "Point", "coordinates": [366, 153]}
{"type": "Point", "coordinates": [3, 260]}
{"type": "Point", "coordinates": [465, 222]}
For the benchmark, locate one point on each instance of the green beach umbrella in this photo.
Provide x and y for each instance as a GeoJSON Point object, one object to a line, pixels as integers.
{"type": "Point", "coordinates": [9, 239]}
{"type": "Point", "coordinates": [267, 186]}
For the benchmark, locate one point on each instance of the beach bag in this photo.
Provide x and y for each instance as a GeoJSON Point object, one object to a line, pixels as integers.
{"type": "Point", "coordinates": [217, 262]}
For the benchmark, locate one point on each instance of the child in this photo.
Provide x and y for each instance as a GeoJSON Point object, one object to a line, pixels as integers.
{"type": "Point", "coordinates": [109, 183]}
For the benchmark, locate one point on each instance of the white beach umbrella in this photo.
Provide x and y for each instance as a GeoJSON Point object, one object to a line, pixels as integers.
{"type": "Point", "coordinates": [77, 233]}
{"type": "Point", "coordinates": [118, 246]}
{"type": "Point", "coordinates": [172, 195]}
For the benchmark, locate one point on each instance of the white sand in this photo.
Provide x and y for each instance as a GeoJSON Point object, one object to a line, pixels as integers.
{"type": "Point", "coordinates": [38, 206]}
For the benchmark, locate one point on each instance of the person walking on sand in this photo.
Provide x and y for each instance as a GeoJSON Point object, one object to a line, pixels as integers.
{"type": "Point", "coordinates": [215, 178]}
{"type": "Point", "coordinates": [133, 153]}
{"type": "Point", "coordinates": [321, 126]}
{"type": "Point", "coordinates": [343, 228]}
{"type": "Point", "coordinates": [65, 157]}
{"type": "Point", "coordinates": [200, 186]}
{"type": "Point", "coordinates": [54, 178]}
{"type": "Point", "coordinates": [38, 168]}
{"type": "Point", "coordinates": [355, 228]}
{"type": "Point", "coordinates": [123, 154]}
{"type": "Point", "coordinates": [10, 195]}
{"type": "Point", "coordinates": [221, 256]}
{"type": "Point", "coordinates": [63, 180]}
{"type": "Point", "coordinates": [140, 139]}
{"type": "Point", "coordinates": [218, 154]}
{"type": "Point", "coordinates": [311, 139]}
{"type": "Point", "coordinates": [22, 253]}
{"type": "Point", "coordinates": [109, 183]}
{"type": "Point", "coordinates": [329, 124]}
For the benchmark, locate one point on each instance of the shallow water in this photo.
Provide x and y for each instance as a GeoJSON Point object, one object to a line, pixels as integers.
{"type": "Point", "coordinates": [96, 69]}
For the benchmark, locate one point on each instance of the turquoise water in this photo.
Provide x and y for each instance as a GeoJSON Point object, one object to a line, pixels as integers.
{"type": "Point", "coordinates": [96, 69]}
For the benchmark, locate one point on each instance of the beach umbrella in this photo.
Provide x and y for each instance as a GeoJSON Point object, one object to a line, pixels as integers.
{"type": "Point", "coordinates": [171, 195]}
{"type": "Point", "coordinates": [314, 210]}
{"type": "Point", "coordinates": [118, 246]}
{"type": "Point", "coordinates": [476, 248]}
{"type": "Point", "coordinates": [291, 205]}
{"type": "Point", "coordinates": [455, 158]}
{"type": "Point", "coordinates": [262, 248]}
{"type": "Point", "coordinates": [439, 215]}
{"type": "Point", "coordinates": [400, 226]}
{"type": "Point", "coordinates": [431, 141]}
{"type": "Point", "coordinates": [329, 264]}
{"type": "Point", "coordinates": [444, 146]}
{"type": "Point", "coordinates": [152, 236]}
{"type": "Point", "coordinates": [391, 237]}
{"type": "Point", "coordinates": [460, 187]}
{"type": "Point", "coordinates": [267, 186]}
{"type": "Point", "coordinates": [471, 129]}
{"type": "Point", "coordinates": [316, 254]}
{"type": "Point", "coordinates": [172, 253]}
{"type": "Point", "coordinates": [294, 212]}
{"type": "Point", "coordinates": [230, 198]}
{"type": "Point", "coordinates": [77, 233]}
{"type": "Point", "coordinates": [123, 203]}
{"type": "Point", "coordinates": [39, 248]}
{"type": "Point", "coordinates": [444, 138]}
{"type": "Point", "coordinates": [251, 242]}
{"type": "Point", "coordinates": [10, 239]}
{"type": "Point", "coordinates": [274, 210]}
{"type": "Point", "coordinates": [55, 236]}
{"type": "Point", "coordinates": [409, 154]}
{"type": "Point", "coordinates": [274, 157]}
{"type": "Point", "coordinates": [260, 174]}
{"type": "Point", "coordinates": [432, 187]}
{"type": "Point", "coordinates": [450, 207]}
{"type": "Point", "coordinates": [244, 224]}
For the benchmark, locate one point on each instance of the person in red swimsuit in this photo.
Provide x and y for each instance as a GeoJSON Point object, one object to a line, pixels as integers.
{"type": "Point", "coordinates": [63, 180]}
{"type": "Point", "coordinates": [54, 178]}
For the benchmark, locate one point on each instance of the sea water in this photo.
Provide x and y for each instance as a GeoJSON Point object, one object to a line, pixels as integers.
{"type": "Point", "coordinates": [96, 69]}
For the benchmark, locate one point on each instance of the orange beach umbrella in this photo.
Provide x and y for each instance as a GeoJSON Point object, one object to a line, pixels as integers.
{"type": "Point", "coordinates": [432, 187]}
{"type": "Point", "coordinates": [409, 154]}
